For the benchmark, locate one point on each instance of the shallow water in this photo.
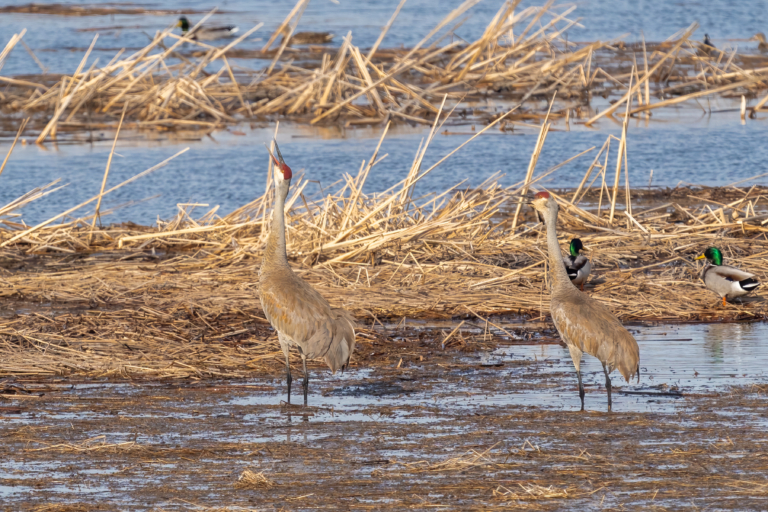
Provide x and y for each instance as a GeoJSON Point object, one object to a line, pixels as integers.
{"type": "Point", "coordinates": [230, 170]}
{"type": "Point", "coordinates": [144, 444]}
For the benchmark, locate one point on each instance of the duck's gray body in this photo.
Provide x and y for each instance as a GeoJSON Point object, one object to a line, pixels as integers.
{"type": "Point", "coordinates": [727, 281]}
{"type": "Point", "coordinates": [578, 268]}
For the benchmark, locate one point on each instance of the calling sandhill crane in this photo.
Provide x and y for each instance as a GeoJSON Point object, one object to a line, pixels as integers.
{"type": "Point", "coordinates": [300, 315]}
{"type": "Point", "coordinates": [584, 324]}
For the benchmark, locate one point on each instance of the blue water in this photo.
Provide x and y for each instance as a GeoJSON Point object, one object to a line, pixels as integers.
{"type": "Point", "coordinates": [52, 36]}
{"type": "Point", "coordinates": [229, 170]}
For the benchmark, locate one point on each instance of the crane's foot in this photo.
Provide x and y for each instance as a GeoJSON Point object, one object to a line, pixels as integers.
{"type": "Point", "coordinates": [581, 389]}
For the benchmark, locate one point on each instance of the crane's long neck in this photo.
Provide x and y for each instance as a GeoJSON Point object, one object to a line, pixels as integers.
{"type": "Point", "coordinates": [556, 267]}
{"type": "Point", "coordinates": [275, 252]}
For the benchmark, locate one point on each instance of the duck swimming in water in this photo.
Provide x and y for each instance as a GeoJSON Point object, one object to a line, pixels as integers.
{"type": "Point", "coordinates": [725, 280]}
{"type": "Point", "coordinates": [204, 33]}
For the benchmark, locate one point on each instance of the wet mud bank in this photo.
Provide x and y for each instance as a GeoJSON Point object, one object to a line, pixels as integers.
{"type": "Point", "coordinates": [481, 427]}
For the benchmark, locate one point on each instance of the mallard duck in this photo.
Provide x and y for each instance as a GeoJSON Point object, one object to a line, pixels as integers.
{"type": "Point", "coordinates": [311, 38]}
{"type": "Point", "coordinates": [577, 266]}
{"type": "Point", "coordinates": [725, 280]}
{"type": "Point", "coordinates": [762, 44]}
{"type": "Point", "coordinates": [204, 33]}
{"type": "Point", "coordinates": [706, 47]}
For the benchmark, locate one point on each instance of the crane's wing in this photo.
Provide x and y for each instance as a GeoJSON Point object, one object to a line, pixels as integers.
{"type": "Point", "coordinates": [591, 327]}
{"type": "Point", "coordinates": [297, 310]}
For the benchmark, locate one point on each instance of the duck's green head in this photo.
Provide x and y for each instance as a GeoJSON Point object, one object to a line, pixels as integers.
{"type": "Point", "coordinates": [183, 23]}
{"type": "Point", "coordinates": [576, 246]}
{"type": "Point", "coordinates": [713, 255]}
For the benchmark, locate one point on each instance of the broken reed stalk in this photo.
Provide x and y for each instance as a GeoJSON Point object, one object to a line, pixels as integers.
{"type": "Point", "coordinates": [622, 149]}
{"type": "Point", "coordinates": [532, 163]}
{"type": "Point", "coordinates": [13, 145]}
{"type": "Point", "coordinates": [646, 76]}
{"type": "Point", "coordinates": [106, 173]}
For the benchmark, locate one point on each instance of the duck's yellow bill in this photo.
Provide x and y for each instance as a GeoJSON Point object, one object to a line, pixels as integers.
{"type": "Point", "coordinates": [178, 24]}
{"type": "Point", "coordinates": [700, 257]}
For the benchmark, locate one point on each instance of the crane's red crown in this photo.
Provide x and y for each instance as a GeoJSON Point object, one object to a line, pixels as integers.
{"type": "Point", "coordinates": [542, 195]}
{"type": "Point", "coordinates": [280, 164]}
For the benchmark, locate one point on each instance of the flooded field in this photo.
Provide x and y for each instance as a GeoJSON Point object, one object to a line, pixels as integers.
{"type": "Point", "coordinates": [484, 426]}
{"type": "Point", "coordinates": [138, 370]}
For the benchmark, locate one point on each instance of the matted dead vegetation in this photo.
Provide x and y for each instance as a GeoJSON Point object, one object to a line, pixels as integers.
{"type": "Point", "coordinates": [181, 299]}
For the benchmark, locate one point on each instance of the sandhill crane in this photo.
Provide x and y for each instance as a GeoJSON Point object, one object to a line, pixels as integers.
{"type": "Point", "coordinates": [300, 315]}
{"type": "Point", "coordinates": [725, 280]}
{"type": "Point", "coordinates": [577, 265]}
{"type": "Point", "coordinates": [584, 324]}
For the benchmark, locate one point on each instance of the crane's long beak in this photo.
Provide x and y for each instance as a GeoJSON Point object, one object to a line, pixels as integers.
{"type": "Point", "coordinates": [277, 149]}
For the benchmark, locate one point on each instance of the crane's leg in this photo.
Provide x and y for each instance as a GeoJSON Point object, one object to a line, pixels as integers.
{"type": "Point", "coordinates": [607, 386]}
{"type": "Point", "coordinates": [576, 358]}
{"type": "Point", "coordinates": [306, 378]}
{"type": "Point", "coordinates": [288, 377]}
{"type": "Point", "coordinates": [286, 349]}
{"type": "Point", "coordinates": [723, 301]}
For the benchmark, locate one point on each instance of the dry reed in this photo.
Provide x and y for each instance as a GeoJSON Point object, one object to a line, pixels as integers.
{"type": "Point", "coordinates": [512, 61]}
{"type": "Point", "coordinates": [180, 299]}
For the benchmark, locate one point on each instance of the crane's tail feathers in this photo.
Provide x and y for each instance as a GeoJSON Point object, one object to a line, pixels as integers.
{"type": "Point", "coordinates": [628, 361]}
{"type": "Point", "coordinates": [343, 342]}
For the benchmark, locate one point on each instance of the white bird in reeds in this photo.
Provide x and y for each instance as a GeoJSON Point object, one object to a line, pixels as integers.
{"type": "Point", "coordinates": [300, 315]}
{"type": "Point", "coordinates": [204, 33]}
{"type": "Point", "coordinates": [584, 324]}
{"type": "Point", "coordinates": [727, 281]}
{"type": "Point", "coordinates": [577, 265]}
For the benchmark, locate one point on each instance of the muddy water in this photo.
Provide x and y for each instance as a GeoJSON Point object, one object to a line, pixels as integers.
{"type": "Point", "coordinates": [404, 437]}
